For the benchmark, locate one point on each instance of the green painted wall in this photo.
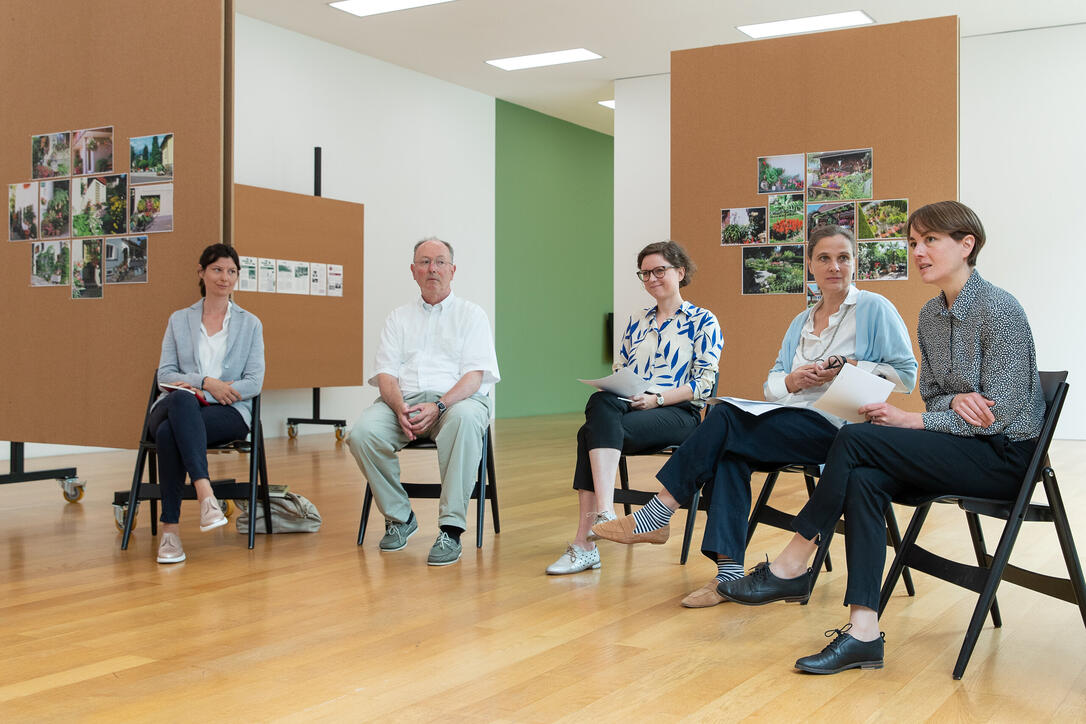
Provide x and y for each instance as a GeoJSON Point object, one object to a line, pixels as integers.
{"type": "Point", "coordinates": [554, 211]}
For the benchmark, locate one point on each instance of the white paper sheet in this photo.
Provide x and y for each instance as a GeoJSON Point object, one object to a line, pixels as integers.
{"type": "Point", "coordinates": [247, 274]}
{"type": "Point", "coordinates": [335, 280]}
{"type": "Point", "coordinates": [624, 383]}
{"type": "Point", "coordinates": [318, 279]}
{"type": "Point", "coordinates": [265, 275]}
{"type": "Point", "coordinates": [754, 407]}
{"type": "Point", "coordinates": [851, 389]}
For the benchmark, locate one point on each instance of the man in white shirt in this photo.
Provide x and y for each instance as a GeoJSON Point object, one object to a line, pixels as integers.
{"type": "Point", "coordinates": [435, 366]}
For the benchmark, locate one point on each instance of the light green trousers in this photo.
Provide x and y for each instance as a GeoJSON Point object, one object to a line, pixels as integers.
{"type": "Point", "coordinates": [376, 438]}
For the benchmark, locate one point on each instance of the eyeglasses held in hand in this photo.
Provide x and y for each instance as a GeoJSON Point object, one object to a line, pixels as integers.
{"type": "Point", "coordinates": [658, 272]}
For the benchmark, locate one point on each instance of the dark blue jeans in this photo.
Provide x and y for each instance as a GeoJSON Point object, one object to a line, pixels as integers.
{"type": "Point", "coordinates": [723, 452]}
{"type": "Point", "coordinates": [869, 466]}
{"type": "Point", "coordinates": [182, 429]}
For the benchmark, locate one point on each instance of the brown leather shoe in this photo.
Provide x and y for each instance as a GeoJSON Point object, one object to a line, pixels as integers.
{"type": "Point", "coordinates": [621, 530]}
{"type": "Point", "coordinates": [704, 597]}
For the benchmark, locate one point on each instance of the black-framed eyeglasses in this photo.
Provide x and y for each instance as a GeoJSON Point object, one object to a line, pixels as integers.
{"type": "Point", "coordinates": [658, 272]}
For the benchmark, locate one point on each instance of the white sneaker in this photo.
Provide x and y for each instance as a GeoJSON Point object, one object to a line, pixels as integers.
{"type": "Point", "coordinates": [600, 518]}
{"type": "Point", "coordinates": [575, 560]}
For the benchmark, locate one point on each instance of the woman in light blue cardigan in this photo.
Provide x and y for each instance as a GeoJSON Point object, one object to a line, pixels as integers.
{"type": "Point", "coordinates": [212, 365]}
{"type": "Point", "coordinates": [848, 326]}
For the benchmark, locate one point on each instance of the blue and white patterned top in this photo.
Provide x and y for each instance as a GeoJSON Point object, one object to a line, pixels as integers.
{"type": "Point", "coordinates": [685, 351]}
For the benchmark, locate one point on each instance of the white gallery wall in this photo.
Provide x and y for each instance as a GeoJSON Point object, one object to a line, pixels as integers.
{"type": "Point", "coordinates": [1022, 157]}
{"type": "Point", "coordinates": [417, 151]}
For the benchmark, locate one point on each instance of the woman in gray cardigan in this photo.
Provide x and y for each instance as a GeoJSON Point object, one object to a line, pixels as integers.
{"type": "Point", "coordinates": [212, 365]}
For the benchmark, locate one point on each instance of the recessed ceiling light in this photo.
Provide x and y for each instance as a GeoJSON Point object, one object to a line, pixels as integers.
{"type": "Point", "coordinates": [362, 8]}
{"type": "Point", "coordinates": [540, 59]}
{"type": "Point", "coordinates": [814, 23]}
{"type": "Point", "coordinates": [608, 104]}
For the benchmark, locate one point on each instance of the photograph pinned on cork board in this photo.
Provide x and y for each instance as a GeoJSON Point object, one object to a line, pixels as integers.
{"type": "Point", "coordinates": [150, 158]}
{"type": "Point", "coordinates": [151, 208]}
{"type": "Point", "coordinates": [49, 263]}
{"type": "Point", "coordinates": [22, 212]}
{"type": "Point", "coordinates": [55, 205]}
{"type": "Point", "coordinates": [92, 151]}
{"type": "Point", "coordinates": [86, 269]}
{"type": "Point", "coordinates": [126, 260]}
{"type": "Point", "coordinates": [882, 219]}
{"type": "Point", "coordinates": [786, 219]}
{"type": "Point", "coordinates": [744, 225]}
{"type": "Point", "coordinates": [98, 205]}
{"type": "Point", "coordinates": [814, 294]}
{"type": "Point", "coordinates": [841, 213]}
{"type": "Point", "coordinates": [50, 155]}
{"type": "Point", "coordinates": [773, 269]}
{"type": "Point", "coordinates": [883, 261]}
{"type": "Point", "coordinates": [778, 174]}
{"type": "Point", "coordinates": [840, 175]}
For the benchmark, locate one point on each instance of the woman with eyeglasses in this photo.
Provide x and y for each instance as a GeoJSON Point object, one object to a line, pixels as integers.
{"type": "Point", "coordinates": [674, 347]}
{"type": "Point", "coordinates": [985, 408]}
{"type": "Point", "coordinates": [848, 326]}
{"type": "Point", "coordinates": [211, 367]}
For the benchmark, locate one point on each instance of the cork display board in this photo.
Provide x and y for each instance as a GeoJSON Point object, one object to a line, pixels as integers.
{"type": "Point", "coordinates": [77, 371]}
{"type": "Point", "coordinates": [309, 341]}
{"type": "Point", "coordinates": [890, 88]}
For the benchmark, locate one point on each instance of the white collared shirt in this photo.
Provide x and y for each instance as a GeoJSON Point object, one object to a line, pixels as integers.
{"type": "Point", "coordinates": [429, 347]}
{"type": "Point", "coordinates": [211, 348]}
{"type": "Point", "coordinates": [841, 329]}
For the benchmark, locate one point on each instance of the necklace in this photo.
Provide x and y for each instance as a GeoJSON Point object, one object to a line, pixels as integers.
{"type": "Point", "coordinates": [826, 347]}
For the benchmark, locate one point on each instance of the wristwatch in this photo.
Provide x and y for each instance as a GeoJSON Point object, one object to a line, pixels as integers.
{"type": "Point", "coordinates": [440, 408]}
{"type": "Point", "coordinates": [659, 399]}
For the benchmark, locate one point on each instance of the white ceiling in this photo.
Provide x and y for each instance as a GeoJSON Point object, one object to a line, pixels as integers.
{"type": "Point", "coordinates": [452, 40]}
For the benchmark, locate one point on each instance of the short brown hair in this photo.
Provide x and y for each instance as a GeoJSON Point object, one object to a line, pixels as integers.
{"type": "Point", "coordinates": [949, 217]}
{"type": "Point", "coordinates": [675, 255]}
{"type": "Point", "coordinates": [826, 231]}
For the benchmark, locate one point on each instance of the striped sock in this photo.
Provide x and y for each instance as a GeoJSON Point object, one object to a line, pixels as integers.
{"type": "Point", "coordinates": [728, 570]}
{"type": "Point", "coordinates": [653, 515]}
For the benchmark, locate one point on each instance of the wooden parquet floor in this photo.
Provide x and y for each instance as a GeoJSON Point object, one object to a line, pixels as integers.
{"type": "Point", "coordinates": [313, 628]}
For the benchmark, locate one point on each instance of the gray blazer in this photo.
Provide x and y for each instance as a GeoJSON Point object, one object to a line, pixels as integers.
{"type": "Point", "coordinates": [243, 364]}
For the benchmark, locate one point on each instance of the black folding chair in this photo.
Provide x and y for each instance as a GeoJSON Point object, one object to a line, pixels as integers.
{"type": "Point", "coordinates": [482, 491]}
{"type": "Point", "coordinates": [984, 577]}
{"type": "Point", "coordinates": [228, 489]}
{"type": "Point", "coordinates": [763, 513]}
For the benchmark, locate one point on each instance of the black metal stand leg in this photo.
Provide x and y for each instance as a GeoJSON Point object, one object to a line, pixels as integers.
{"type": "Point", "coordinates": [17, 470]}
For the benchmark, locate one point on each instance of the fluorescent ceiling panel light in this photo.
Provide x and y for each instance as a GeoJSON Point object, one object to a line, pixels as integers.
{"type": "Point", "coordinates": [807, 25]}
{"type": "Point", "coordinates": [362, 8]}
{"type": "Point", "coordinates": [608, 104]}
{"type": "Point", "coordinates": [538, 60]}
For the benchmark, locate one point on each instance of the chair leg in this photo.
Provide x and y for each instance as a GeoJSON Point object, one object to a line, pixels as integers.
{"type": "Point", "coordinates": [821, 554]}
{"type": "Point", "coordinates": [367, 501]}
{"type": "Point", "coordinates": [624, 480]}
{"type": "Point", "coordinates": [688, 531]}
{"type": "Point", "coordinates": [981, 552]}
{"type": "Point", "coordinates": [915, 524]}
{"type": "Point", "coordinates": [809, 481]}
{"type": "Point", "coordinates": [152, 461]}
{"type": "Point", "coordinates": [984, 603]}
{"type": "Point", "coordinates": [492, 489]}
{"type": "Point", "coordinates": [254, 472]}
{"type": "Point", "coordinates": [759, 505]}
{"type": "Point", "coordinates": [895, 541]}
{"type": "Point", "coordinates": [1067, 543]}
{"type": "Point", "coordinates": [133, 498]}
{"type": "Point", "coordinates": [265, 492]}
{"type": "Point", "coordinates": [480, 488]}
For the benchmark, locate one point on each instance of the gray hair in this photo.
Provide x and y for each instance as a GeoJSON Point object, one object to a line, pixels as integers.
{"type": "Point", "coordinates": [420, 242]}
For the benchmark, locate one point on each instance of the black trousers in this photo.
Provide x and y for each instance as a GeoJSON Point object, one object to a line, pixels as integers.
{"type": "Point", "coordinates": [182, 429]}
{"type": "Point", "coordinates": [720, 456]}
{"type": "Point", "coordinates": [869, 466]}
{"type": "Point", "coordinates": [610, 423]}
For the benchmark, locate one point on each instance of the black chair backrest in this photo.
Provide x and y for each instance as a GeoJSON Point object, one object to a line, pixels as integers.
{"type": "Point", "coordinates": [1054, 386]}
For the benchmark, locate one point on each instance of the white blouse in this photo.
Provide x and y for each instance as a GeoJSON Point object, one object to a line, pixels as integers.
{"type": "Point", "coordinates": [211, 348]}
